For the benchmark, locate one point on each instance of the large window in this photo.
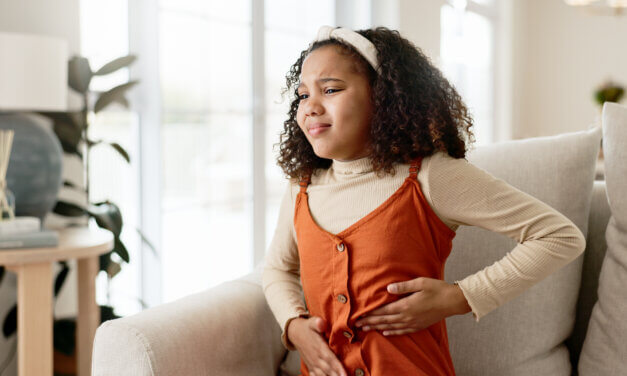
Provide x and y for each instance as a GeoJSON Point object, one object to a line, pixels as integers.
{"type": "Point", "coordinates": [205, 72]}
{"type": "Point", "coordinates": [467, 53]}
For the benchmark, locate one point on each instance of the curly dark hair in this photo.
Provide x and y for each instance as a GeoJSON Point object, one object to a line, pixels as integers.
{"type": "Point", "coordinates": [416, 110]}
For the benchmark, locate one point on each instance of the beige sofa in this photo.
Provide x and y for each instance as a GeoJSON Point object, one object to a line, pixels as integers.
{"type": "Point", "coordinates": [229, 329]}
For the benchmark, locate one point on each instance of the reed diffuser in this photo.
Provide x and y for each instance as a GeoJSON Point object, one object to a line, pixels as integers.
{"type": "Point", "coordinates": [7, 200]}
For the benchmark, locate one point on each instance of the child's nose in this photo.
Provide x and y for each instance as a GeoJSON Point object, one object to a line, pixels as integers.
{"type": "Point", "coordinates": [313, 106]}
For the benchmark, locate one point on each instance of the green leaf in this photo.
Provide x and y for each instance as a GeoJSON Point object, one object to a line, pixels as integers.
{"type": "Point", "coordinates": [106, 313]}
{"type": "Point", "coordinates": [68, 209]}
{"type": "Point", "coordinates": [112, 95]}
{"type": "Point", "coordinates": [69, 184]}
{"type": "Point", "coordinates": [93, 143]}
{"type": "Point", "coordinates": [10, 322]}
{"type": "Point", "coordinates": [116, 64]}
{"type": "Point", "coordinates": [105, 260]}
{"type": "Point", "coordinates": [60, 278]}
{"type": "Point", "coordinates": [79, 119]}
{"type": "Point", "coordinates": [71, 118]}
{"type": "Point", "coordinates": [67, 127]}
{"type": "Point", "coordinates": [70, 149]}
{"type": "Point", "coordinates": [148, 242]}
{"type": "Point", "coordinates": [142, 303]}
{"type": "Point", "coordinates": [113, 269]}
{"type": "Point", "coordinates": [122, 101]}
{"type": "Point", "coordinates": [120, 249]}
{"type": "Point", "coordinates": [64, 335]}
{"type": "Point", "coordinates": [67, 133]}
{"type": "Point", "coordinates": [108, 216]}
{"type": "Point", "coordinates": [121, 151]}
{"type": "Point", "coordinates": [79, 74]}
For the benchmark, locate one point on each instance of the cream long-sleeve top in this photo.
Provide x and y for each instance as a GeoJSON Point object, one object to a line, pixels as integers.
{"type": "Point", "coordinates": [459, 193]}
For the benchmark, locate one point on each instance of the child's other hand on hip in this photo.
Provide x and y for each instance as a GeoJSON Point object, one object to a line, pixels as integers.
{"type": "Point", "coordinates": [307, 335]}
{"type": "Point", "coordinates": [431, 300]}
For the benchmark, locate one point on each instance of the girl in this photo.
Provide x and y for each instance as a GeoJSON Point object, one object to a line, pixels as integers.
{"type": "Point", "coordinates": [367, 246]}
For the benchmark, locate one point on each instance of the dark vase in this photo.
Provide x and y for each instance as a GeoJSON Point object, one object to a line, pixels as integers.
{"type": "Point", "coordinates": [35, 166]}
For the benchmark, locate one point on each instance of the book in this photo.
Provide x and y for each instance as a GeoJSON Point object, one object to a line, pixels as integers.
{"type": "Point", "coordinates": [19, 225]}
{"type": "Point", "coordinates": [39, 239]}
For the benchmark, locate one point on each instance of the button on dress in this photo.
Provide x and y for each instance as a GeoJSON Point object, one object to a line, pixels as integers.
{"type": "Point", "coordinates": [345, 276]}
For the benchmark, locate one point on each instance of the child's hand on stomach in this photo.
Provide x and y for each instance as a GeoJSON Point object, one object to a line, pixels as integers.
{"type": "Point", "coordinates": [431, 300]}
{"type": "Point", "coordinates": [306, 335]}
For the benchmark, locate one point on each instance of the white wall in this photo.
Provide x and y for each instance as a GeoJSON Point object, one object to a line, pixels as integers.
{"type": "Point", "coordinates": [561, 54]}
{"type": "Point", "coordinates": [419, 21]}
{"type": "Point", "coordinates": [552, 57]}
{"type": "Point", "coordinates": [57, 18]}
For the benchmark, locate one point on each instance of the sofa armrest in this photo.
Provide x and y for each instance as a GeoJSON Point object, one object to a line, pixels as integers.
{"type": "Point", "coordinates": [226, 330]}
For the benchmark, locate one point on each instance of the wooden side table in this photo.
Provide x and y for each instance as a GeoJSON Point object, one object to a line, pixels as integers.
{"type": "Point", "coordinates": [34, 297]}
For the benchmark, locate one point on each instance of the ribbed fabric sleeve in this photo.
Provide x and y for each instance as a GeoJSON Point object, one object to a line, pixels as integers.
{"type": "Point", "coordinates": [547, 240]}
{"type": "Point", "coordinates": [460, 193]}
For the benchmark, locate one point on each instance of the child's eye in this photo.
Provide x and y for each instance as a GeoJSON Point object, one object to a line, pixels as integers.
{"type": "Point", "coordinates": [327, 91]}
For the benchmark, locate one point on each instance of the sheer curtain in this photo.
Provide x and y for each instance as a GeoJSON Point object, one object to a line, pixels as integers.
{"type": "Point", "coordinates": [468, 59]}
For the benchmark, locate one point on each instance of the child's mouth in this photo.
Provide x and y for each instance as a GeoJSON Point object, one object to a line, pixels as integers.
{"type": "Point", "coordinates": [316, 129]}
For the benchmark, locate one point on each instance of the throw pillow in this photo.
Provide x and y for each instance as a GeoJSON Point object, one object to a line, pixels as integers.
{"type": "Point", "coordinates": [604, 350]}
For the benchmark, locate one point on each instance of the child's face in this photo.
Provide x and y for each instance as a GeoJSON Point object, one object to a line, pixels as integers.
{"type": "Point", "coordinates": [335, 95]}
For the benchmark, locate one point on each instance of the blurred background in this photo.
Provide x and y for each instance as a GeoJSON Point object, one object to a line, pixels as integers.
{"type": "Point", "coordinates": [202, 123]}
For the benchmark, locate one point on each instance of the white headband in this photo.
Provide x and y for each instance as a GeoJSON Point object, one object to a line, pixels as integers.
{"type": "Point", "coordinates": [358, 41]}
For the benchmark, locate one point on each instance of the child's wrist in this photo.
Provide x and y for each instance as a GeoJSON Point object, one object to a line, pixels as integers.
{"type": "Point", "coordinates": [289, 330]}
{"type": "Point", "coordinates": [461, 306]}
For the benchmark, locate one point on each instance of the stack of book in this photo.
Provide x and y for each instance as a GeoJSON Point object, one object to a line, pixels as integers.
{"type": "Point", "coordinates": [26, 232]}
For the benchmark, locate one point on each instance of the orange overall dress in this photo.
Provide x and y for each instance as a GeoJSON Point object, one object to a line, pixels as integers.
{"type": "Point", "coordinates": [345, 276]}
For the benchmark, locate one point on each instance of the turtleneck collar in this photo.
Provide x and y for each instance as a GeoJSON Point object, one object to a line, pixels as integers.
{"type": "Point", "coordinates": [356, 166]}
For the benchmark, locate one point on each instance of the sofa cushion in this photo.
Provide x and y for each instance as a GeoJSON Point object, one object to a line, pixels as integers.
{"type": "Point", "coordinates": [225, 330]}
{"type": "Point", "coordinates": [526, 335]}
{"type": "Point", "coordinates": [604, 350]}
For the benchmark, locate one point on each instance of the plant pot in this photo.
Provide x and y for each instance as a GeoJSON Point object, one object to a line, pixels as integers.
{"type": "Point", "coordinates": [64, 365]}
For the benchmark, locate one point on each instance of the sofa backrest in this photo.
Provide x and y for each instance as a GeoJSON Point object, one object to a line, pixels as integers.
{"type": "Point", "coordinates": [527, 334]}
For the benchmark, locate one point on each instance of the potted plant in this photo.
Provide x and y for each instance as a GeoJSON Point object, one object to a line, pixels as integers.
{"type": "Point", "coordinates": [72, 129]}
{"type": "Point", "coordinates": [608, 91]}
